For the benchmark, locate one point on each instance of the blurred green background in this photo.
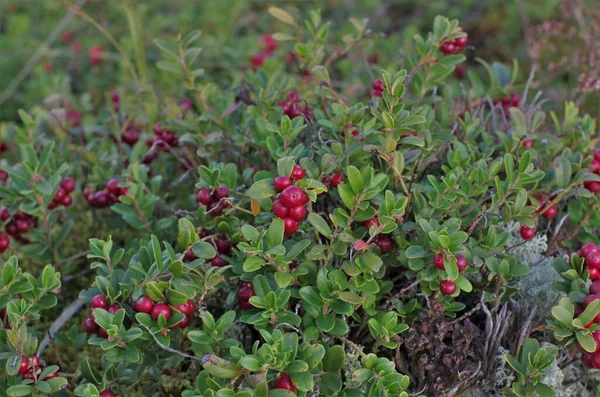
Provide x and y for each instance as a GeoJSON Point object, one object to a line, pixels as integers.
{"type": "Point", "coordinates": [44, 50]}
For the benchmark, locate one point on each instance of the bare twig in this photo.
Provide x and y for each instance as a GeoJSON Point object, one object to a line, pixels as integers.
{"type": "Point", "coordinates": [170, 350]}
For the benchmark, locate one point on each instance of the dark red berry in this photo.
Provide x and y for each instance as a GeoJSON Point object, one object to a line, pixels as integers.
{"type": "Point", "coordinates": [589, 299]}
{"type": "Point", "coordinates": [297, 213]}
{"type": "Point", "coordinates": [595, 288]}
{"type": "Point", "coordinates": [282, 182]}
{"type": "Point", "coordinates": [158, 309]}
{"type": "Point", "coordinates": [385, 243]}
{"type": "Point", "coordinates": [112, 186]}
{"type": "Point", "coordinates": [223, 246]}
{"type": "Point", "coordinates": [34, 361]}
{"type": "Point", "coordinates": [4, 242]}
{"type": "Point", "coordinates": [4, 214]}
{"type": "Point", "coordinates": [182, 324]}
{"type": "Point", "coordinates": [284, 382]}
{"type": "Point", "coordinates": [372, 222]}
{"type": "Point", "coordinates": [144, 305]}
{"type": "Point", "coordinates": [106, 393]}
{"type": "Point", "coordinates": [22, 226]}
{"type": "Point", "coordinates": [99, 302]}
{"type": "Point", "coordinates": [293, 196]}
{"type": "Point", "coordinates": [215, 208]}
{"type": "Point", "coordinates": [67, 201]}
{"type": "Point", "coordinates": [527, 233]}
{"type": "Point", "coordinates": [221, 192]}
{"type": "Point", "coordinates": [244, 294]}
{"type": "Point", "coordinates": [297, 172]}
{"type": "Point", "coordinates": [27, 376]}
{"type": "Point", "coordinates": [448, 287]}
{"type": "Point", "coordinates": [204, 197]}
{"type": "Point", "coordinates": [592, 186]}
{"type": "Point", "coordinates": [218, 261]}
{"type": "Point", "coordinates": [113, 309]}
{"type": "Point", "coordinates": [438, 261]}
{"type": "Point", "coordinates": [60, 194]}
{"type": "Point", "coordinates": [90, 326]}
{"type": "Point", "coordinates": [586, 359]}
{"type": "Point", "coordinates": [290, 226]}
{"type": "Point", "coordinates": [102, 333]}
{"type": "Point", "coordinates": [375, 93]}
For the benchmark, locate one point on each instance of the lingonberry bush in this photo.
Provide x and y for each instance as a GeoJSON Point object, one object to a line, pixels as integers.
{"type": "Point", "coordinates": [303, 229]}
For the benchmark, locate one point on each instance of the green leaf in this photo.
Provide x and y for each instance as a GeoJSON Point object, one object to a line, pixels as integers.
{"type": "Point", "coordinates": [320, 224]}
{"type": "Point", "coordinates": [334, 359]}
{"type": "Point", "coordinates": [275, 232]}
{"type": "Point", "coordinates": [355, 179]}
{"type": "Point", "coordinates": [262, 189]}
{"type": "Point", "coordinates": [19, 390]}
{"type": "Point", "coordinates": [204, 250]}
{"type": "Point", "coordinates": [282, 15]}
{"type": "Point", "coordinates": [562, 171]}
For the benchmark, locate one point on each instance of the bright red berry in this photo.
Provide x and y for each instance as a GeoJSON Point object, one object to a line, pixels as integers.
{"type": "Point", "coordinates": [282, 182]}
{"type": "Point", "coordinates": [528, 143]}
{"type": "Point", "coordinates": [24, 365]}
{"type": "Point", "coordinates": [158, 309]}
{"type": "Point", "coordinates": [438, 261]}
{"type": "Point", "coordinates": [185, 308]}
{"type": "Point", "coordinates": [378, 85]}
{"type": "Point", "coordinates": [593, 259]}
{"type": "Point", "coordinates": [297, 213]}
{"type": "Point", "coordinates": [462, 41]}
{"type": "Point", "coordinates": [448, 48]}
{"type": "Point", "coordinates": [284, 382]}
{"type": "Point", "coordinates": [293, 196]}
{"type": "Point", "coordinates": [448, 287]}
{"type": "Point", "coordinates": [597, 155]}
{"type": "Point", "coordinates": [4, 242]}
{"type": "Point", "coordinates": [551, 212]}
{"type": "Point", "coordinates": [297, 172]}
{"type": "Point", "coordinates": [372, 222]}
{"type": "Point", "coordinates": [144, 304]}
{"type": "Point", "coordinates": [106, 393]}
{"type": "Point", "coordinates": [594, 273]}
{"type": "Point", "coordinates": [587, 248]}
{"type": "Point", "coordinates": [336, 179]}
{"type": "Point", "coordinates": [99, 302]}
{"type": "Point", "coordinates": [461, 262]}
{"type": "Point", "coordinates": [527, 233]}
{"type": "Point", "coordinates": [290, 226]}
{"type": "Point", "coordinates": [279, 209]}
{"type": "Point", "coordinates": [592, 186]}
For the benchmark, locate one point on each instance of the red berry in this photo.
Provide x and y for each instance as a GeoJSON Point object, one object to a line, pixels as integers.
{"type": "Point", "coordinates": [102, 333]}
{"type": "Point", "coordinates": [461, 262]}
{"type": "Point", "coordinates": [528, 143]}
{"type": "Point", "coordinates": [589, 299]}
{"type": "Point", "coordinates": [158, 309]}
{"type": "Point", "coordinates": [372, 222]}
{"type": "Point", "coordinates": [462, 41]}
{"type": "Point", "coordinates": [22, 225]}
{"type": "Point", "coordinates": [385, 244]}
{"type": "Point", "coordinates": [587, 248]}
{"type": "Point", "coordinates": [24, 365]}
{"type": "Point", "coordinates": [218, 261]}
{"type": "Point", "coordinates": [51, 376]}
{"type": "Point", "coordinates": [90, 326]}
{"type": "Point", "coordinates": [592, 186]}
{"type": "Point", "coordinates": [60, 194]}
{"type": "Point", "coordinates": [215, 208]}
{"type": "Point", "coordinates": [595, 166]}
{"type": "Point", "coordinates": [290, 226]}
{"type": "Point", "coordinates": [438, 261]}
{"type": "Point", "coordinates": [297, 172]}
{"type": "Point", "coordinates": [586, 359]}
{"type": "Point", "coordinates": [4, 214]}
{"type": "Point", "coordinates": [223, 246]}
{"type": "Point", "coordinates": [113, 309]}
{"type": "Point", "coordinates": [112, 186]}
{"type": "Point", "coordinates": [257, 60]}
{"type": "Point", "coordinates": [527, 233]}
{"type": "Point", "coordinates": [293, 196]}
{"type": "Point", "coordinates": [593, 259]}
{"type": "Point", "coordinates": [375, 93]}
{"type": "Point", "coordinates": [596, 360]}
{"type": "Point", "coordinates": [67, 201]}
{"type": "Point", "coordinates": [595, 288]}
{"type": "Point", "coordinates": [448, 287]}
{"type": "Point", "coordinates": [144, 305]}
{"type": "Point", "coordinates": [448, 48]}
{"type": "Point", "coordinates": [279, 209]}
{"type": "Point", "coordinates": [99, 302]}
{"type": "Point", "coordinates": [114, 96]}
{"type": "Point", "coordinates": [244, 294]}
{"type": "Point", "coordinates": [27, 375]}
{"type": "Point", "coordinates": [204, 197]}
{"type": "Point", "coordinates": [578, 310]}
{"type": "Point", "coordinates": [4, 242]}
{"type": "Point", "coordinates": [297, 213]}
{"type": "Point", "coordinates": [185, 308]}
{"type": "Point", "coordinates": [182, 324]}
{"type": "Point", "coordinates": [284, 382]}
{"type": "Point", "coordinates": [336, 179]}
{"type": "Point", "coordinates": [594, 273]}
{"type": "Point", "coordinates": [281, 182]}
{"type": "Point", "coordinates": [378, 85]}
{"type": "Point", "coordinates": [100, 199]}
{"type": "Point", "coordinates": [106, 393]}
{"type": "Point", "coordinates": [221, 192]}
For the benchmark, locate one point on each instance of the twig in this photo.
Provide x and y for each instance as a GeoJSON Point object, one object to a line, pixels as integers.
{"type": "Point", "coordinates": [174, 351]}
{"type": "Point", "coordinates": [59, 322]}
{"type": "Point", "coordinates": [288, 325]}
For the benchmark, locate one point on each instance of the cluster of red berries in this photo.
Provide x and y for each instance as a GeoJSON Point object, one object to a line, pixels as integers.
{"type": "Point", "coordinates": [550, 212]}
{"type": "Point", "coordinates": [377, 88]}
{"type": "Point", "coordinates": [146, 305]}
{"type": "Point", "coordinates": [289, 205]}
{"type": "Point", "coordinates": [448, 287]}
{"type": "Point", "coordinates": [454, 47]}
{"type": "Point", "coordinates": [594, 186]}
{"type": "Point", "coordinates": [244, 294]}
{"type": "Point", "coordinates": [526, 232]}
{"type": "Point", "coordinates": [107, 196]}
{"type": "Point", "coordinates": [89, 325]}
{"type": "Point", "coordinates": [269, 45]}
{"type": "Point", "coordinates": [284, 382]}
{"type": "Point", "coordinates": [511, 101]}
{"type": "Point", "coordinates": [63, 194]}
{"type": "Point", "coordinates": [18, 224]}
{"type": "Point", "coordinates": [591, 253]}
{"type": "Point", "coordinates": [222, 247]}
{"type": "Point", "coordinates": [162, 140]}
{"type": "Point", "coordinates": [30, 369]}
{"type": "Point", "coordinates": [590, 360]}
{"type": "Point", "coordinates": [214, 201]}
{"type": "Point", "coordinates": [332, 180]}
{"type": "Point", "coordinates": [294, 107]}
{"type": "Point", "coordinates": [116, 101]}
{"type": "Point", "coordinates": [354, 132]}
{"type": "Point", "coordinates": [95, 55]}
